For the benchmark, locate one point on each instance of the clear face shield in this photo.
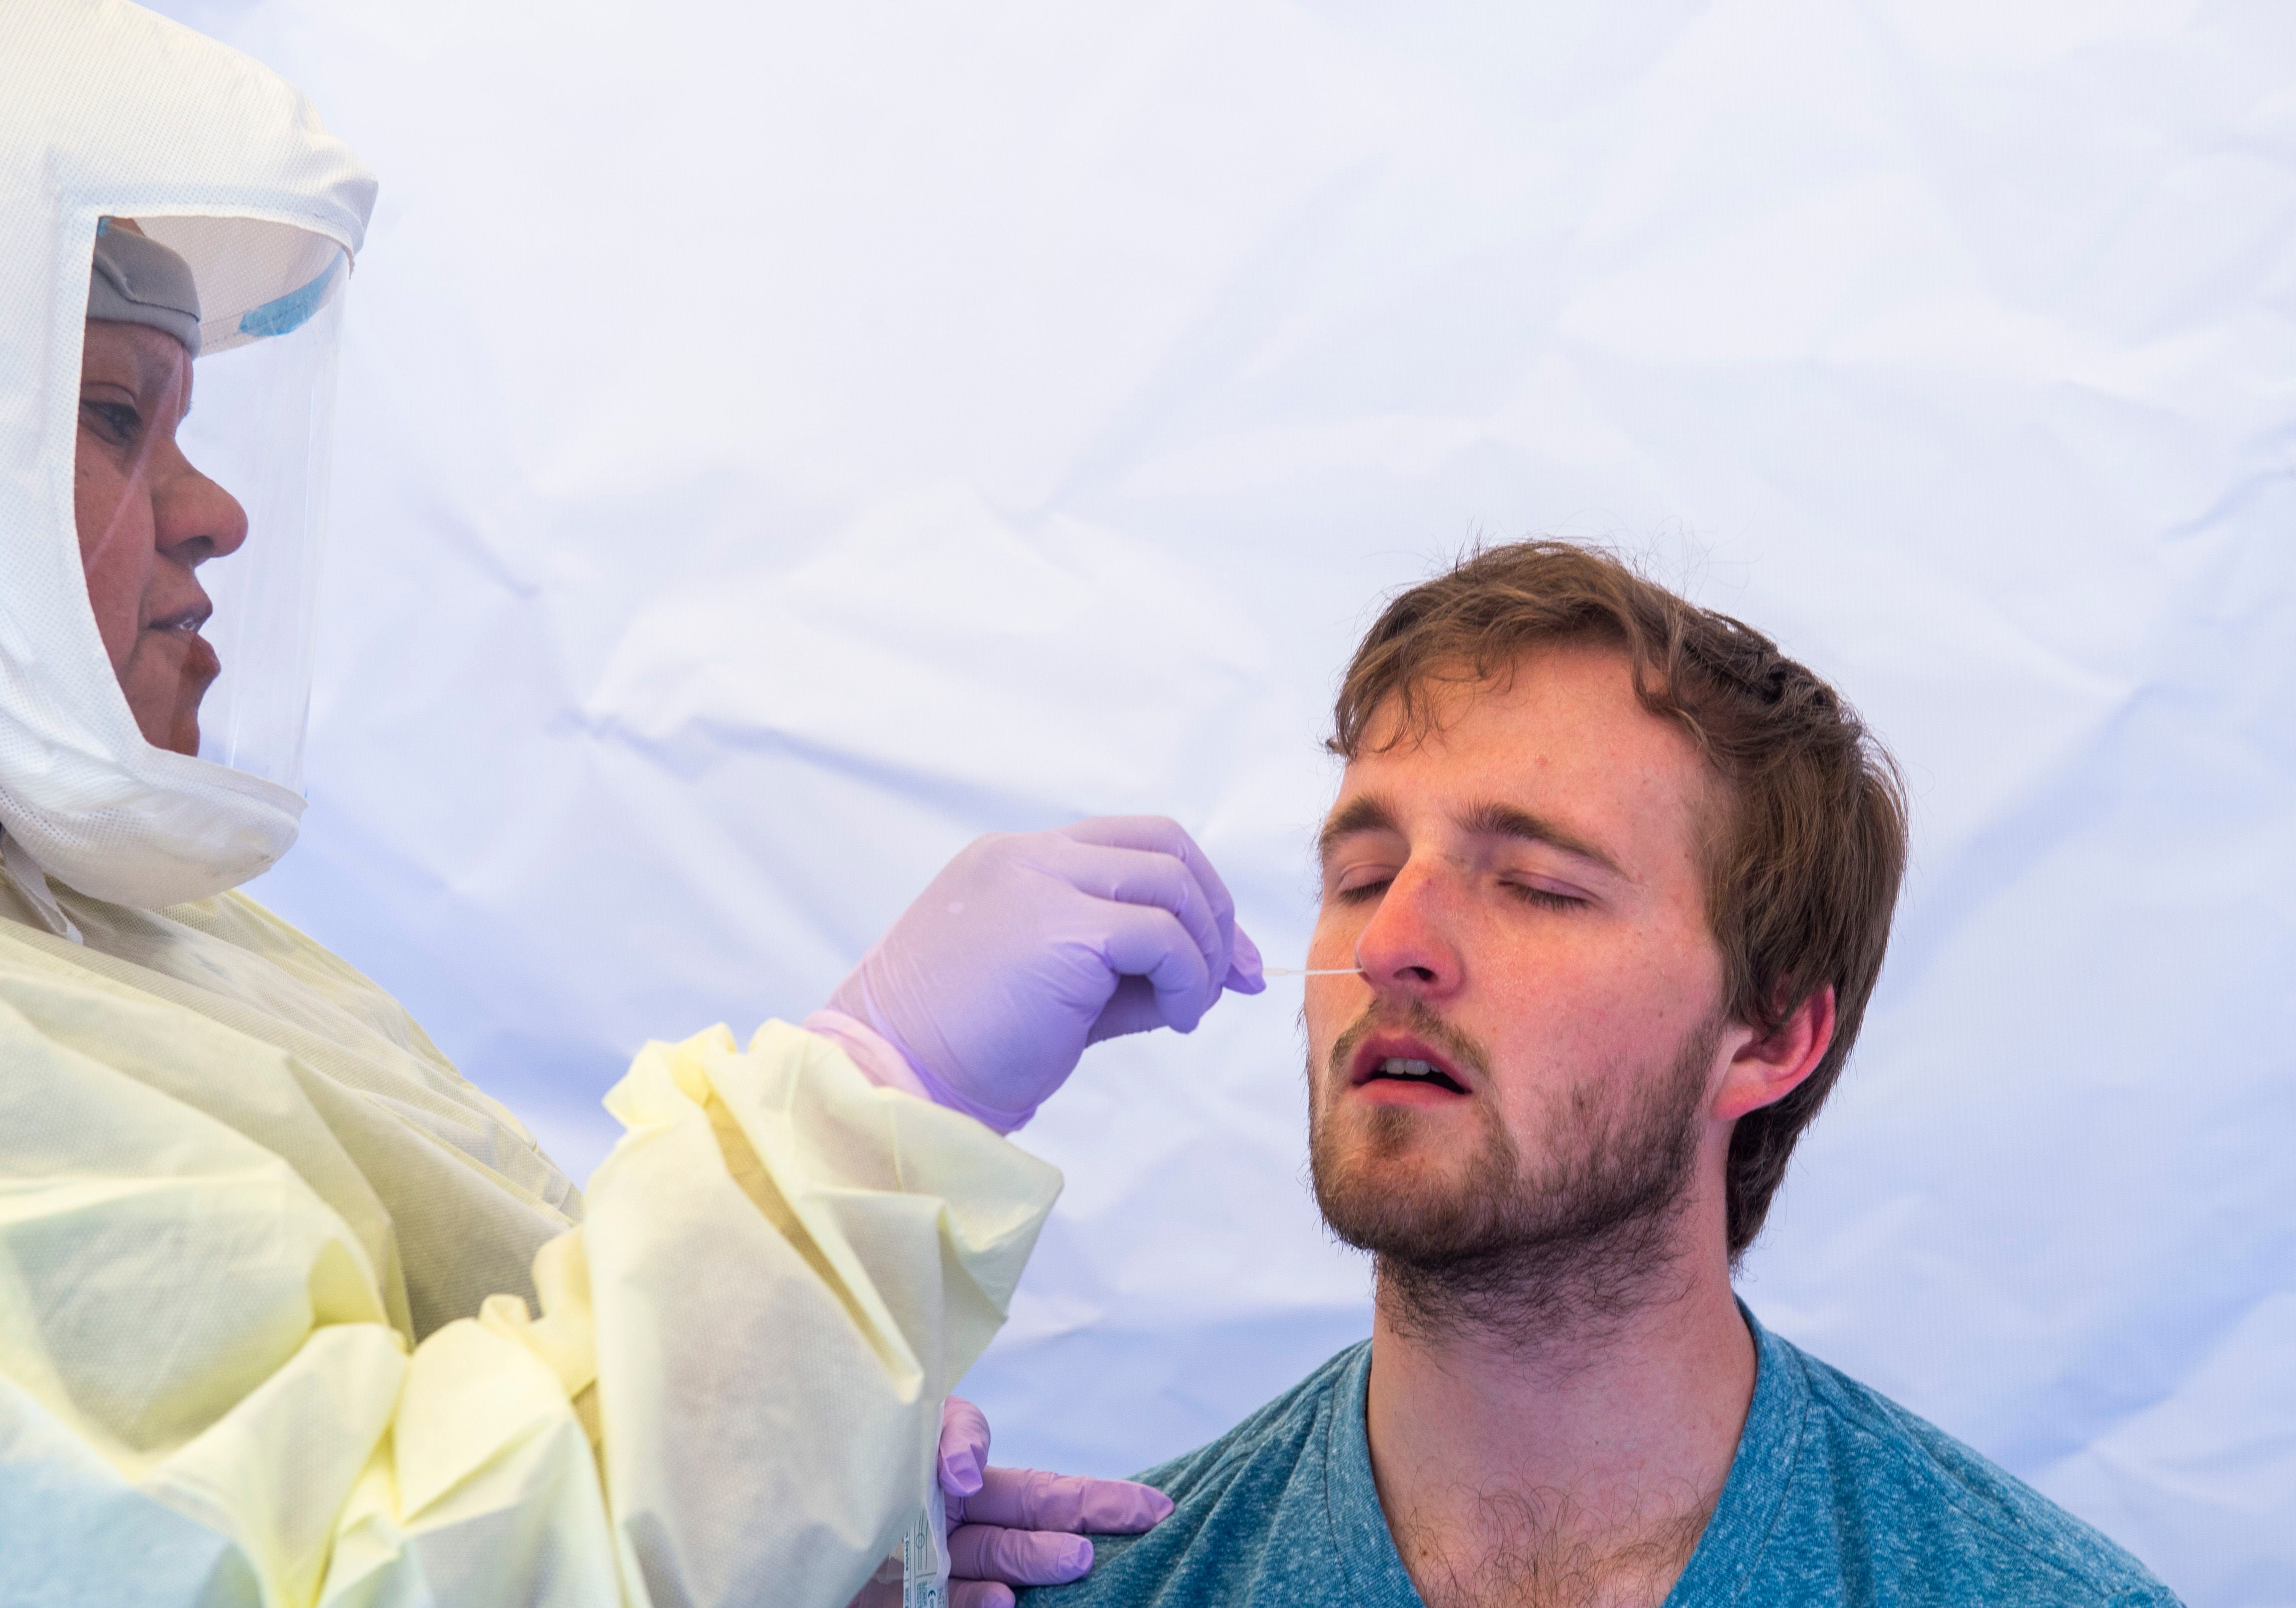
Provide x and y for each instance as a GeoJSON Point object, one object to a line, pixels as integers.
{"type": "Point", "coordinates": [199, 486]}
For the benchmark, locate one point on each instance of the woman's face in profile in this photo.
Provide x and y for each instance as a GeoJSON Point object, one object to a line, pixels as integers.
{"type": "Point", "coordinates": [147, 520]}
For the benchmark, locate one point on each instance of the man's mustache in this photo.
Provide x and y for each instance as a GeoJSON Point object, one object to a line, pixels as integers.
{"type": "Point", "coordinates": [1417, 1018]}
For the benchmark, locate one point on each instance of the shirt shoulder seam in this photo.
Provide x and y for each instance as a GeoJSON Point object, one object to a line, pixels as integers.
{"type": "Point", "coordinates": [1206, 1462]}
{"type": "Point", "coordinates": [1954, 1497]}
{"type": "Point", "coordinates": [1331, 1519]}
{"type": "Point", "coordinates": [1786, 1480]}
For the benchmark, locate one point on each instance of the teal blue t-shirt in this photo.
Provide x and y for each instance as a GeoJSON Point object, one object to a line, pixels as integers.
{"type": "Point", "coordinates": [1837, 1495]}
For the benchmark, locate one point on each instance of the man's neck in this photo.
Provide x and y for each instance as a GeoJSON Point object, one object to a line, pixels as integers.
{"type": "Point", "coordinates": [1576, 1466]}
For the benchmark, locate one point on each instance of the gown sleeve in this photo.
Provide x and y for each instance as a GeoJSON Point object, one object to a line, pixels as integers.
{"type": "Point", "coordinates": [730, 1395]}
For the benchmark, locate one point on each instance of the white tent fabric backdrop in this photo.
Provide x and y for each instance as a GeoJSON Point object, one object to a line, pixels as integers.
{"type": "Point", "coordinates": [779, 443]}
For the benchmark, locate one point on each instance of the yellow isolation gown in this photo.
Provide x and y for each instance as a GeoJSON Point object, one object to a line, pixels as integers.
{"type": "Point", "coordinates": [290, 1313]}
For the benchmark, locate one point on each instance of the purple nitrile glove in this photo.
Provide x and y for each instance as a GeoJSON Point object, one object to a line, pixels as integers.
{"type": "Point", "coordinates": [1012, 1527]}
{"type": "Point", "coordinates": [1029, 946]}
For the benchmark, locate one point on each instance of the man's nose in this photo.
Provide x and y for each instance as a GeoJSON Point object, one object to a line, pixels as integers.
{"type": "Point", "coordinates": [1409, 944]}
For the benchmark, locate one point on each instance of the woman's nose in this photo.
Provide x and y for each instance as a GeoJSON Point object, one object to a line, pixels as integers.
{"type": "Point", "coordinates": [198, 520]}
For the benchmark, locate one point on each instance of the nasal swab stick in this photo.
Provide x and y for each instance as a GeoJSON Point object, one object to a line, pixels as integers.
{"type": "Point", "coordinates": [1311, 971]}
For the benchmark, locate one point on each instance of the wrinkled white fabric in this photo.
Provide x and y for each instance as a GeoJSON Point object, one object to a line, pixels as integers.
{"type": "Point", "coordinates": [290, 1313]}
{"type": "Point", "coordinates": [106, 110]}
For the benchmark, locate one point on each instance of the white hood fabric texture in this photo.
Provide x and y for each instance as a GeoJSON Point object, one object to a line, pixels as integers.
{"type": "Point", "coordinates": [111, 112]}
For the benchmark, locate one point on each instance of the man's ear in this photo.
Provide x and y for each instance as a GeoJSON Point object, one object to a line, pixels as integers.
{"type": "Point", "coordinates": [1766, 1068]}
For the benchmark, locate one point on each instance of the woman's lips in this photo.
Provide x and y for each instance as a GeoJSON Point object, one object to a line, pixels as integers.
{"type": "Point", "coordinates": [180, 628]}
{"type": "Point", "coordinates": [197, 664]}
{"type": "Point", "coordinates": [190, 618]}
{"type": "Point", "coordinates": [200, 662]}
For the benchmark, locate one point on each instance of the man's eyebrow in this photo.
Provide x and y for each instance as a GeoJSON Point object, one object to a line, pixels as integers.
{"type": "Point", "coordinates": [1499, 820]}
{"type": "Point", "coordinates": [1363, 813]}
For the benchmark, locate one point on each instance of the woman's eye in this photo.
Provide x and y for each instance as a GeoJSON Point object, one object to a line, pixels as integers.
{"type": "Point", "coordinates": [115, 421]}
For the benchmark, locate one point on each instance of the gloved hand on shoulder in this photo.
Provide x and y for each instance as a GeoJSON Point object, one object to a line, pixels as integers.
{"type": "Point", "coordinates": [1012, 1527]}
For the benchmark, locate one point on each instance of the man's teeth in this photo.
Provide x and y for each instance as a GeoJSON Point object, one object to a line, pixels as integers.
{"type": "Point", "coordinates": [1425, 1071]}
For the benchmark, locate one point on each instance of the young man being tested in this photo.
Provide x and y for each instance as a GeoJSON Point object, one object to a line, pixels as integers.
{"type": "Point", "coordinates": [1605, 891]}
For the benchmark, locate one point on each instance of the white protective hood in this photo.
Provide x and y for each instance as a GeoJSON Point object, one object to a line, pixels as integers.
{"type": "Point", "coordinates": [106, 110]}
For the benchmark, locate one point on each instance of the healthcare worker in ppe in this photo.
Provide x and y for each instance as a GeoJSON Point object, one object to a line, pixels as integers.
{"type": "Point", "coordinates": [289, 1312]}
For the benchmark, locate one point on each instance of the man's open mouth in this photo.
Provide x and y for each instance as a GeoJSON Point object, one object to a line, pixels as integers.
{"type": "Point", "coordinates": [1399, 1070]}
{"type": "Point", "coordinates": [1395, 1059]}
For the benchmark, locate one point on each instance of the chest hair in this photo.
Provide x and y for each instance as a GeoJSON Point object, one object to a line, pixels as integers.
{"type": "Point", "coordinates": [1541, 1550]}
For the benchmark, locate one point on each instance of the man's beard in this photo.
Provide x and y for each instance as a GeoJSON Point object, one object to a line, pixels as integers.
{"type": "Point", "coordinates": [1506, 1253]}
